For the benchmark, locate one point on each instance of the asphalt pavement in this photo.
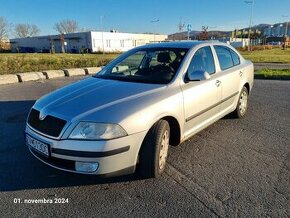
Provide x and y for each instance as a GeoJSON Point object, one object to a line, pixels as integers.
{"type": "Point", "coordinates": [234, 168]}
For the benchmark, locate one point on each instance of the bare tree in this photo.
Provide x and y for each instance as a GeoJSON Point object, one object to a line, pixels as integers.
{"type": "Point", "coordinates": [66, 26]}
{"type": "Point", "coordinates": [26, 30]}
{"type": "Point", "coordinates": [34, 30]}
{"type": "Point", "coordinates": [204, 33]}
{"type": "Point", "coordinates": [4, 28]}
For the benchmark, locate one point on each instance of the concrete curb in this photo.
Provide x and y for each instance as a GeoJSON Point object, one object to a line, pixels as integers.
{"type": "Point", "coordinates": [272, 66]}
{"type": "Point", "coordinates": [50, 74]}
{"type": "Point", "coordinates": [8, 79]}
{"type": "Point", "coordinates": [92, 70]}
{"type": "Point", "coordinates": [74, 72]}
{"type": "Point", "coordinates": [30, 76]}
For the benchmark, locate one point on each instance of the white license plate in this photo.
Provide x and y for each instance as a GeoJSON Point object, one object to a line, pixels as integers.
{"type": "Point", "coordinates": [37, 145]}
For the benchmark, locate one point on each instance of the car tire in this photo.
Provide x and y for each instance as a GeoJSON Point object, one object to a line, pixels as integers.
{"type": "Point", "coordinates": [242, 104]}
{"type": "Point", "coordinates": [154, 150]}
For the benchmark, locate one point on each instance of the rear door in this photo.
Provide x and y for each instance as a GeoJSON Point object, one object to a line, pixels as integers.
{"type": "Point", "coordinates": [201, 98]}
{"type": "Point", "coordinates": [230, 76]}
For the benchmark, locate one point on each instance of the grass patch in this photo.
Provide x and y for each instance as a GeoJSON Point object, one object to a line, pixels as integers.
{"type": "Point", "coordinates": [273, 74]}
{"type": "Point", "coordinates": [276, 55]}
{"type": "Point", "coordinates": [19, 63]}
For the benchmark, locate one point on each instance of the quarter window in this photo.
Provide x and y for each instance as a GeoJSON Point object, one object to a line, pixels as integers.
{"type": "Point", "coordinates": [236, 58]}
{"type": "Point", "coordinates": [202, 60]}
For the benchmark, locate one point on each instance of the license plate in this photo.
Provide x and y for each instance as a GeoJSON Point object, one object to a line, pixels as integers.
{"type": "Point", "coordinates": [39, 146]}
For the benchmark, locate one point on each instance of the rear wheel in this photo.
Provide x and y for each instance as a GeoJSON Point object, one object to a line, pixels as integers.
{"type": "Point", "coordinates": [154, 150]}
{"type": "Point", "coordinates": [242, 105]}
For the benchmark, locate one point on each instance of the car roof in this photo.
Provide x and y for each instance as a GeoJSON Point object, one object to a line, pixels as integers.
{"type": "Point", "coordinates": [182, 44]}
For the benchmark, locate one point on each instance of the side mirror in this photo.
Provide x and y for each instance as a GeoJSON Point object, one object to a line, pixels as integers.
{"type": "Point", "coordinates": [198, 75]}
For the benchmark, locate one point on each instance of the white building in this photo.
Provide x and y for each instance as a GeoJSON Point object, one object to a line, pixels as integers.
{"type": "Point", "coordinates": [84, 42]}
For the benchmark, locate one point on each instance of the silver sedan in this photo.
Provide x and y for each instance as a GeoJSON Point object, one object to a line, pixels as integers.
{"type": "Point", "coordinates": [125, 117]}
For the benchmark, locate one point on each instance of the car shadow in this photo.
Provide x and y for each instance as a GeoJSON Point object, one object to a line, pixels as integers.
{"type": "Point", "coordinates": [20, 170]}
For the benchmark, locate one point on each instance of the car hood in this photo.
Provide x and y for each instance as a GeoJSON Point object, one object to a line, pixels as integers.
{"type": "Point", "coordinates": [78, 100]}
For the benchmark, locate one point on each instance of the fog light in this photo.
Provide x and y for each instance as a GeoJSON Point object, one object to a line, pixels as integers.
{"type": "Point", "coordinates": [87, 167]}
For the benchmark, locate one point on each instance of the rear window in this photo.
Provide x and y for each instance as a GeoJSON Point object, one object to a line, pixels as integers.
{"type": "Point", "coordinates": [224, 57]}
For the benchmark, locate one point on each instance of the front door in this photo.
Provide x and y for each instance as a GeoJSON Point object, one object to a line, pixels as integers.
{"type": "Point", "coordinates": [201, 98]}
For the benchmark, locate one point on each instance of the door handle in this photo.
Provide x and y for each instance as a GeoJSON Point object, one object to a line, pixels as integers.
{"type": "Point", "coordinates": [241, 73]}
{"type": "Point", "coordinates": [217, 83]}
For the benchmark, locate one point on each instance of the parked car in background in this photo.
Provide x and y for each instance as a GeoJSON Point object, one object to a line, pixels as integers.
{"type": "Point", "coordinates": [126, 117]}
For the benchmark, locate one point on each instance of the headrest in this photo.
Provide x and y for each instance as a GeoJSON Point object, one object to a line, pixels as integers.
{"type": "Point", "coordinates": [163, 57]}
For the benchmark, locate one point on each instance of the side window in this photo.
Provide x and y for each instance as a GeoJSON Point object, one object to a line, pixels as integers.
{"type": "Point", "coordinates": [224, 56]}
{"type": "Point", "coordinates": [236, 58]}
{"type": "Point", "coordinates": [202, 60]}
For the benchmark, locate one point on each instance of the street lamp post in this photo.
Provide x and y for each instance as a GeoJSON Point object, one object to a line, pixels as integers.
{"type": "Point", "coordinates": [154, 22]}
{"type": "Point", "coordinates": [250, 26]}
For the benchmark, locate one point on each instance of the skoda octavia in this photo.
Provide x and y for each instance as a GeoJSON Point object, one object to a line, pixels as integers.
{"type": "Point", "coordinates": [126, 116]}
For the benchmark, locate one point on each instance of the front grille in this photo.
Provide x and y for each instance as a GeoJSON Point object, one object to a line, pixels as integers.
{"type": "Point", "coordinates": [50, 125]}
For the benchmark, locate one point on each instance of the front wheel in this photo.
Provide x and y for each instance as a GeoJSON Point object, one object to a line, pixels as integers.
{"type": "Point", "coordinates": [242, 105]}
{"type": "Point", "coordinates": [154, 150]}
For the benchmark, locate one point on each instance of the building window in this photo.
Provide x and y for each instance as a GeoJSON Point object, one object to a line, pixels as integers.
{"type": "Point", "coordinates": [108, 43]}
{"type": "Point", "coordinates": [122, 43]}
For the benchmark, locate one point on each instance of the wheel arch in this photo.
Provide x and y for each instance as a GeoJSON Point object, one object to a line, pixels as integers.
{"type": "Point", "coordinates": [175, 130]}
{"type": "Point", "coordinates": [145, 161]}
{"type": "Point", "coordinates": [247, 85]}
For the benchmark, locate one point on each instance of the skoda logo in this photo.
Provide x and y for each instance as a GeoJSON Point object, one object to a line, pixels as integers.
{"type": "Point", "coordinates": [42, 116]}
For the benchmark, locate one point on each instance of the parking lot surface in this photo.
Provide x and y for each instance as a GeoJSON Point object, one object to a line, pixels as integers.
{"type": "Point", "coordinates": [234, 168]}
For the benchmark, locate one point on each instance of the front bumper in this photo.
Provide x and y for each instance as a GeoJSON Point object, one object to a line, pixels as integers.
{"type": "Point", "coordinates": [114, 157]}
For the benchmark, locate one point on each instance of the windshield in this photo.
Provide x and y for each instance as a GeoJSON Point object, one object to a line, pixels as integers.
{"type": "Point", "coordinates": [151, 65]}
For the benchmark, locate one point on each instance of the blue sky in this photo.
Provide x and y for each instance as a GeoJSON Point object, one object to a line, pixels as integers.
{"type": "Point", "coordinates": [135, 16]}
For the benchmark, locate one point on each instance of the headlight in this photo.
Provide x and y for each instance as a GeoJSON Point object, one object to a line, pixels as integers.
{"type": "Point", "coordinates": [97, 131]}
